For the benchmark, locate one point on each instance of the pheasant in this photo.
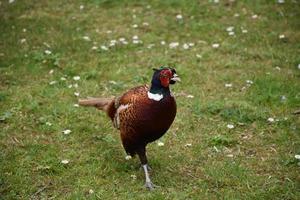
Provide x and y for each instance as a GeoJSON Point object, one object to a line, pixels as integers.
{"type": "Point", "coordinates": [143, 114]}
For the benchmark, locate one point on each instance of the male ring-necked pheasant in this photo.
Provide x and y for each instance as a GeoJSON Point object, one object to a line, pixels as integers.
{"type": "Point", "coordinates": [143, 114]}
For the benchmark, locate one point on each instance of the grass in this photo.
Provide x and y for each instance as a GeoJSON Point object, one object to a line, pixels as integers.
{"type": "Point", "coordinates": [254, 160]}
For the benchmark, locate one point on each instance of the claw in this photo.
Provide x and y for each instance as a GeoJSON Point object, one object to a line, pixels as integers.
{"type": "Point", "coordinates": [149, 185]}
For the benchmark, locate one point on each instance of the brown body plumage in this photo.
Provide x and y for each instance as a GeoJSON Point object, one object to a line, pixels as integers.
{"type": "Point", "coordinates": [140, 118]}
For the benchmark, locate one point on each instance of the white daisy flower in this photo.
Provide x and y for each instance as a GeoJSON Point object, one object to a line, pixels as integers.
{"type": "Point", "coordinates": [76, 94]}
{"type": "Point", "coordinates": [190, 96]}
{"type": "Point", "coordinates": [104, 48]}
{"type": "Point", "coordinates": [281, 36]}
{"type": "Point", "coordinates": [230, 126]}
{"type": "Point", "coordinates": [229, 29]}
{"type": "Point", "coordinates": [231, 33]}
{"type": "Point", "coordinates": [76, 78]}
{"type": "Point", "coordinates": [179, 17]}
{"type": "Point", "coordinates": [48, 52]}
{"type": "Point", "coordinates": [228, 85]}
{"type": "Point", "coordinates": [160, 144]}
{"type": "Point", "coordinates": [185, 46]}
{"type": "Point", "coordinates": [254, 16]}
{"type": "Point", "coordinates": [297, 157]}
{"type": "Point", "coordinates": [270, 119]}
{"type": "Point", "coordinates": [52, 82]}
{"type": "Point", "coordinates": [76, 105]}
{"type": "Point", "coordinates": [91, 191]}
{"type": "Point", "coordinates": [128, 157]}
{"type": "Point", "coordinates": [162, 42]}
{"type": "Point", "coordinates": [173, 45]}
{"type": "Point", "coordinates": [216, 45]}
{"type": "Point", "coordinates": [67, 131]}
{"type": "Point", "coordinates": [86, 38]}
{"type": "Point", "coordinates": [188, 145]}
{"type": "Point", "coordinates": [65, 162]}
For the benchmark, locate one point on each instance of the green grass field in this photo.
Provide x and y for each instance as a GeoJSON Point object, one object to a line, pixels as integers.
{"type": "Point", "coordinates": [239, 65]}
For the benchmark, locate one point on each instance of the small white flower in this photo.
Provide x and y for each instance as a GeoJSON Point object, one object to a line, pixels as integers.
{"type": "Point", "coordinates": [282, 36]}
{"type": "Point", "coordinates": [231, 33]}
{"type": "Point", "coordinates": [228, 85]}
{"type": "Point", "coordinates": [236, 15]}
{"type": "Point", "coordinates": [229, 29]}
{"type": "Point", "coordinates": [76, 78]}
{"type": "Point", "coordinates": [122, 39]}
{"type": "Point", "coordinates": [185, 46]}
{"type": "Point", "coordinates": [198, 56]}
{"type": "Point", "coordinates": [11, 1]}
{"type": "Point", "coordinates": [283, 98]}
{"type": "Point", "coordinates": [191, 44]}
{"type": "Point", "coordinates": [216, 45]}
{"type": "Point", "coordinates": [113, 82]}
{"type": "Point", "coordinates": [280, 1]}
{"type": "Point", "coordinates": [109, 32]}
{"type": "Point", "coordinates": [179, 17]}
{"type": "Point", "coordinates": [173, 45]}
{"type": "Point", "coordinates": [52, 82]}
{"type": "Point", "coordinates": [67, 131]}
{"type": "Point", "coordinates": [104, 48]}
{"type": "Point", "coordinates": [48, 124]}
{"type": "Point", "coordinates": [70, 86]}
{"type": "Point", "coordinates": [91, 191]}
{"type": "Point", "coordinates": [188, 145]}
{"type": "Point", "coordinates": [75, 85]}
{"type": "Point", "coordinates": [216, 1]}
{"type": "Point", "coordinates": [230, 155]}
{"type": "Point", "coordinates": [135, 41]}
{"type": "Point", "coordinates": [298, 66]}
{"type": "Point", "coordinates": [160, 144]}
{"type": "Point", "coordinates": [133, 176]}
{"type": "Point", "coordinates": [76, 105]}
{"type": "Point", "coordinates": [48, 52]}
{"type": "Point", "coordinates": [254, 16]}
{"type": "Point", "coordinates": [65, 162]}
{"type": "Point", "coordinates": [230, 126]}
{"type": "Point", "coordinates": [162, 42]}
{"type": "Point", "coordinates": [145, 24]}
{"type": "Point", "coordinates": [81, 7]}
{"type": "Point", "coordinates": [128, 157]}
{"type": "Point", "coordinates": [270, 119]}
{"type": "Point", "coordinates": [278, 68]}
{"type": "Point", "coordinates": [125, 42]}
{"type": "Point", "coordinates": [63, 79]}
{"type": "Point", "coordinates": [76, 94]}
{"type": "Point", "coordinates": [23, 40]}
{"type": "Point", "coordinates": [94, 48]}
{"type": "Point", "coordinates": [244, 31]}
{"type": "Point", "coordinates": [249, 82]}
{"type": "Point", "coordinates": [190, 96]}
{"type": "Point", "coordinates": [135, 26]}
{"type": "Point", "coordinates": [297, 157]}
{"type": "Point", "coordinates": [135, 37]}
{"type": "Point", "coordinates": [86, 38]}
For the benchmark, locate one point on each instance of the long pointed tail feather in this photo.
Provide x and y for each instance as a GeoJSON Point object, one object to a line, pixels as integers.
{"type": "Point", "coordinates": [100, 103]}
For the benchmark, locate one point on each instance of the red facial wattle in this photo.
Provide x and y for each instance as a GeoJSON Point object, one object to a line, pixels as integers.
{"type": "Point", "coordinates": [165, 77]}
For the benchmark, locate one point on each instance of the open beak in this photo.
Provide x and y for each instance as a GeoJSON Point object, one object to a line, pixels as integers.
{"type": "Point", "coordinates": [175, 78]}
